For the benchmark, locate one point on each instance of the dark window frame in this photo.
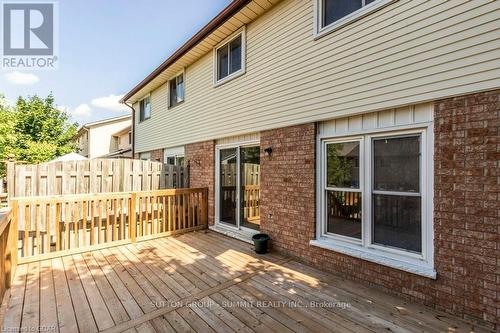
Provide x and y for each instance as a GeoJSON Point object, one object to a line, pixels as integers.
{"type": "Point", "coordinates": [367, 8]}
{"type": "Point", "coordinates": [173, 89]}
{"type": "Point", "coordinates": [322, 11]}
{"type": "Point", "coordinates": [142, 109]}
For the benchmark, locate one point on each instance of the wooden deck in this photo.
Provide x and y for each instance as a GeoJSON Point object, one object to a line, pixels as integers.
{"type": "Point", "coordinates": [201, 282]}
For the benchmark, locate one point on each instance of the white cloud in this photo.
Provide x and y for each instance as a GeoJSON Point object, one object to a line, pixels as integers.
{"type": "Point", "coordinates": [111, 102]}
{"type": "Point", "coordinates": [82, 110]}
{"type": "Point", "coordinates": [22, 78]}
{"type": "Point", "coordinates": [63, 108]}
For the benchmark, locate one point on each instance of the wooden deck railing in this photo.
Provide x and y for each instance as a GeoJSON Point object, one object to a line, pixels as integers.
{"type": "Point", "coordinates": [53, 226]}
{"type": "Point", "coordinates": [8, 250]}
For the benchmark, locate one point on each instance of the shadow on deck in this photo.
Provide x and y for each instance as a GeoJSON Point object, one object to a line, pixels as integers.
{"type": "Point", "coordinates": [201, 282]}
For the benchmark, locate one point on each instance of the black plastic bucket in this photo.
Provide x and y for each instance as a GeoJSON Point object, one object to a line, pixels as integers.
{"type": "Point", "coordinates": [261, 242]}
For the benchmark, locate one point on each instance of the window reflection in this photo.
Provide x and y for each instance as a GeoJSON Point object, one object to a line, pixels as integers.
{"type": "Point", "coordinates": [343, 165]}
{"type": "Point", "coordinates": [344, 213]}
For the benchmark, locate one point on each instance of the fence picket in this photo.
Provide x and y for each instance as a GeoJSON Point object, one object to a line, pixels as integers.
{"type": "Point", "coordinates": [92, 176]}
{"type": "Point", "coordinates": [66, 219]}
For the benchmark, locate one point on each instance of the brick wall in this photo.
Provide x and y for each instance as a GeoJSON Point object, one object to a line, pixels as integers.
{"type": "Point", "coordinates": [287, 205]}
{"type": "Point", "coordinates": [467, 210]}
{"type": "Point", "coordinates": [201, 159]}
{"type": "Point", "coordinates": [467, 206]}
{"type": "Point", "coordinates": [157, 155]}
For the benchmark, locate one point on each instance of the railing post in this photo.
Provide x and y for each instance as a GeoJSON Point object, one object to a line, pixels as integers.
{"type": "Point", "coordinates": [11, 249]}
{"type": "Point", "coordinates": [205, 207]}
{"type": "Point", "coordinates": [132, 217]}
{"type": "Point", "coordinates": [11, 176]}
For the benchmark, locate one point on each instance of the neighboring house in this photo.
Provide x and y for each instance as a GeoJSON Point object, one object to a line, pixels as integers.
{"type": "Point", "coordinates": [69, 157]}
{"type": "Point", "coordinates": [106, 138]}
{"type": "Point", "coordinates": [121, 144]}
{"type": "Point", "coordinates": [362, 136]}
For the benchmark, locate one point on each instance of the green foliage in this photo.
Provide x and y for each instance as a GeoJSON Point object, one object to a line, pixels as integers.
{"type": "Point", "coordinates": [34, 130]}
{"type": "Point", "coordinates": [339, 167]}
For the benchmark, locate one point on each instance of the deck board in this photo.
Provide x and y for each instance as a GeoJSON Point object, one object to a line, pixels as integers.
{"type": "Point", "coordinates": [202, 282]}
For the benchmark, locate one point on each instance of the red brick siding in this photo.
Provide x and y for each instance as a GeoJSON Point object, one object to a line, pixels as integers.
{"type": "Point", "coordinates": [201, 159]}
{"type": "Point", "coordinates": [287, 203]}
{"type": "Point", "coordinates": [466, 210]}
{"type": "Point", "coordinates": [157, 155]}
{"type": "Point", "coordinates": [467, 205]}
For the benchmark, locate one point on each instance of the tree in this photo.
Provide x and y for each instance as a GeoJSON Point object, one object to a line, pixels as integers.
{"type": "Point", "coordinates": [7, 133]}
{"type": "Point", "coordinates": [35, 130]}
{"type": "Point", "coordinates": [339, 166]}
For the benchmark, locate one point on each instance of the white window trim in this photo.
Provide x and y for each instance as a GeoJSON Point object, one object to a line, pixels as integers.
{"type": "Point", "coordinates": [421, 264]}
{"type": "Point", "coordinates": [145, 156]}
{"type": "Point", "coordinates": [242, 32]}
{"type": "Point", "coordinates": [150, 106]}
{"type": "Point", "coordinates": [323, 170]}
{"type": "Point", "coordinates": [319, 31]}
{"type": "Point", "coordinates": [174, 152]}
{"type": "Point", "coordinates": [218, 222]}
{"type": "Point", "coordinates": [175, 156]}
{"type": "Point", "coordinates": [183, 73]}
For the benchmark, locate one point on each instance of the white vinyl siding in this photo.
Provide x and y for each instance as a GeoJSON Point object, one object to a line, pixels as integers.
{"type": "Point", "coordinates": [407, 52]}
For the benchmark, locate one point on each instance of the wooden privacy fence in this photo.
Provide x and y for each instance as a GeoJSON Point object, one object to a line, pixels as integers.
{"type": "Point", "coordinates": [251, 202]}
{"type": "Point", "coordinates": [8, 251]}
{"type": "Point", "coordinates": [92, 176]}
{"type": "Point", "coordinates": [51, 226]}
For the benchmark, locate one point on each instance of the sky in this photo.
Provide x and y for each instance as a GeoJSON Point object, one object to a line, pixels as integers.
{"type": "Point", "coordinates": [106, 47]}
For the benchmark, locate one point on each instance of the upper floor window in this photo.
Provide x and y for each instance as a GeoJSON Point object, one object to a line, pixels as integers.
{"type": "Point", "coordinates": [332, 14]}
{"type": "Point", "coordinates": [230, 58]}
{"type": "Point", "coordinates": [176, 90]}
{"type": "Point", "coordinates": [145, 109]}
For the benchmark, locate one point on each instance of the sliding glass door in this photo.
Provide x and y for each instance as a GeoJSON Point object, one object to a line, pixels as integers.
{"type": "Point", "coordinates": [227, 188]}
{"type": "Point", "coordinates": [249, 187]}
{"type": "Point", "coordinates": [239, 186]}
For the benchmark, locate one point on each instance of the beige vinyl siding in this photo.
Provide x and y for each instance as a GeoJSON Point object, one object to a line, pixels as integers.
{"type": "Point", "coordinates": [409, 52]}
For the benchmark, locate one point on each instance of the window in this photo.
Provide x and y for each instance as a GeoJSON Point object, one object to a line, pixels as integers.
{"type": "Point", "coordinates": [175, 160]}
{"type": "Point", "coordinates": [145, 109]}
{"type": "Point", "coordinates": [343, 189]}
{"type": "Point", "coordinates": [145, 156]}
{"type": "Point", "coordinates": [374, 199]}
{"type": "Point", "coordinates": [396, 193]}
{"type": "Point", "coordinates": [336, 13]}
{"type": "Point", "coordinates": [176, 90]}
{"type": "Point", "coordinates": [229, 58]}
